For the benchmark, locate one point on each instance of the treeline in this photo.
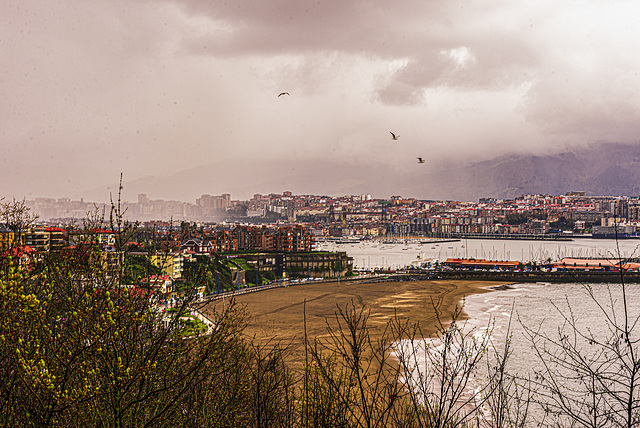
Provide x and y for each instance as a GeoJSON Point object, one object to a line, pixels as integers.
{"type": "Point", "coordinates": [561, 223]}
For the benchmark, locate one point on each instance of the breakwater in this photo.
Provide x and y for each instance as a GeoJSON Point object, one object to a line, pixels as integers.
{"type": "Point", "coordinates": [514, 236]}
{"type": "Point", "coordinates": [553, 277]}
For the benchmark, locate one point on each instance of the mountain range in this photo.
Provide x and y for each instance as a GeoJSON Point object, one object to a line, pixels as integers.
{"type": "Point", "coordinates": [600, 169]}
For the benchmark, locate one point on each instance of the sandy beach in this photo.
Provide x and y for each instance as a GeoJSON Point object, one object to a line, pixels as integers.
{"type": "Point", "coordinates": [278, 314]}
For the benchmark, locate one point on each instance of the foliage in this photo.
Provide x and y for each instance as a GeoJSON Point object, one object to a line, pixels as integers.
{"type": "Point", "coordinates": [562, 223]}
{"type": "Point", "coordinates": [523, 218]}
{"type": "Point", "coordinates": [80, 348]}
{"type": "Point", "coordinates": [269, 275]}
{"type": "Point", "coordinates": [17, 216]}
{"type": "Point", "coordinates": [213, 272]}
{"type": "Point", "coordinates": [139, 266]}
{"type": "Point", "coordinates": [258, 277]}
{"type": "Point", "coordinates": [192, 326]}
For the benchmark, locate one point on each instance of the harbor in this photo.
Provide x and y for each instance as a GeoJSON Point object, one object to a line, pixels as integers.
{"type": "Point", "coordinates": [395, 254]}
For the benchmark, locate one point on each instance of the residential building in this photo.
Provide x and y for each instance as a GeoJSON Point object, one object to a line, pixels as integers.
{"type": "Point", "coordinates": [6, 237]}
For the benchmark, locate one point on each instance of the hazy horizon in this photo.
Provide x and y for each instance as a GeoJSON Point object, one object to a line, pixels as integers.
{"type": "Point", "coordinates": [96, 88]}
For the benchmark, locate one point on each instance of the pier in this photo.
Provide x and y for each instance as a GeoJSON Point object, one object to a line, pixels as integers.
{"type": "Point", "coordinates": [514, 236]}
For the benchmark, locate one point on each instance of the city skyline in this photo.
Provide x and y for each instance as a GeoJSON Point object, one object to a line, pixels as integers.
{"type": "Point", "coordinates": [155, 89]}
{"type": "Point", "coordinates": [291, 207]}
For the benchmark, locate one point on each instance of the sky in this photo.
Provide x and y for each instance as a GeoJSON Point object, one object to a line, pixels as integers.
{"type": "Point", "coordinates": [91, 89]}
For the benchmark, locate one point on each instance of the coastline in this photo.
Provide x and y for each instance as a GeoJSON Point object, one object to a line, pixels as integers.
{"type": "Point", "coordinates": [278, 314]}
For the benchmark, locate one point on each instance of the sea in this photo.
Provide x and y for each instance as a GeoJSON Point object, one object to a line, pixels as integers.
{"type": "Point", "coordinates": [525, 313]}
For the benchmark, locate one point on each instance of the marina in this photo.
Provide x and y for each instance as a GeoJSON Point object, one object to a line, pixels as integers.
{"type": "Point", "coordinates": [394, 254]}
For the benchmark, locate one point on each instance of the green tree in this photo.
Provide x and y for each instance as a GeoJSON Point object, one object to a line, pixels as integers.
{"type": "Point", "coordinates": [81, 346]}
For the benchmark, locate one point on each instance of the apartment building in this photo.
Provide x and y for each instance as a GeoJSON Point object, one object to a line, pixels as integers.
{"type": "Point", "coordinates": [42, 238]}
{"type": "Point", "coordinates": [6, 237]}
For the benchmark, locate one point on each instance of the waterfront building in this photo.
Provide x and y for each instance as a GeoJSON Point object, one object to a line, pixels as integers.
{"type": "Point", "coordinates": [606, 265]}
{"type": "Point", "coordinates": [481, 264]}
{"type": "Point", "coordinates": [320, 264]}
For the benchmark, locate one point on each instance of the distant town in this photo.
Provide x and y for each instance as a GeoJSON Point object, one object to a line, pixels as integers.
{"type": "Point", "coordinates": [275, 236]}
{"type": "Point", "coordinates": [528, 216]}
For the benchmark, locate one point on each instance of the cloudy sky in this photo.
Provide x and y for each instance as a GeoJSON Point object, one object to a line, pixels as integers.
{"type": "Point", "coordinates": [94, 88]}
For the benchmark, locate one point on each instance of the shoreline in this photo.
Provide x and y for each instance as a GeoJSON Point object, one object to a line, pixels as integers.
{"type": "Point", "coordinates": [278, 314]}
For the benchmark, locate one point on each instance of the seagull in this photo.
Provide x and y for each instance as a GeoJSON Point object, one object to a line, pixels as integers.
{"type": "Point", "coordinates": [283, 93]}
{"type": "Point", "coordinates": [420, 160]}
{"type": "Point", "coordinates": [394, 136]}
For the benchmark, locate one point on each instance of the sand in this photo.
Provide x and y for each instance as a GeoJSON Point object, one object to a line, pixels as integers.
{"type": "Point", "coordinates": [278, 314]}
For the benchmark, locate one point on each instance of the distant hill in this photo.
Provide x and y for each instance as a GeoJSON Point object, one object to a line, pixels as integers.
{"type": "Point", "coordinates": [603, 169]}
{"type": "Point", "coordinates": [246, 178]}
{"type": "Point", "coordinates": [600, 169]}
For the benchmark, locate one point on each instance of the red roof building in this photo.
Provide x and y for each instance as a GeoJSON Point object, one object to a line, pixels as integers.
{"type": "Point", "coordinates": [482, 264]}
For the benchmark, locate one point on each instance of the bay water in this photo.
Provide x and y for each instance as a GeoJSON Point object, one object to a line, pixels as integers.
{"type": "Point", "coordinates": [376, 253]}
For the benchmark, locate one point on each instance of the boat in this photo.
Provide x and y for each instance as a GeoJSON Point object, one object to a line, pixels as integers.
{"type": "Point", "coordinates": [348, 240]}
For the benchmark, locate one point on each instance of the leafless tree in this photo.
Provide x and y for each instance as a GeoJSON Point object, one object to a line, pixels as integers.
{"type": "Point", "coordinates": [406, 379]}
{"type": "Point", "coordinates": [509, 398]}
{"type": "Point", "coordinates": [443, 374]}
{"type": "Point", "coordinates": [352, 379]}
{"type": "Point", "coordinates": [591, 377]}
{"type": "Point", "coordinates": [17, 216]}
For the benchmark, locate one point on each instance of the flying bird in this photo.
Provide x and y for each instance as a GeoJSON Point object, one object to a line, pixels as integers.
{"type": "Point", "coordinates": [394, 136]}
{"type": "Point", "coordinates": [283, 93]}
{"type": "Point", "coordinates": [420, 160]}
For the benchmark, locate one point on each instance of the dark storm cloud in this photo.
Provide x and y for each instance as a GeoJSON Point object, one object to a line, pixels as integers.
{"type": "Point", "coordinates": [442, 43]}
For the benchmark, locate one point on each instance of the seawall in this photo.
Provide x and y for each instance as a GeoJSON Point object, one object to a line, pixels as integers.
{"type": "Point", "coordinates": [557, 277]}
